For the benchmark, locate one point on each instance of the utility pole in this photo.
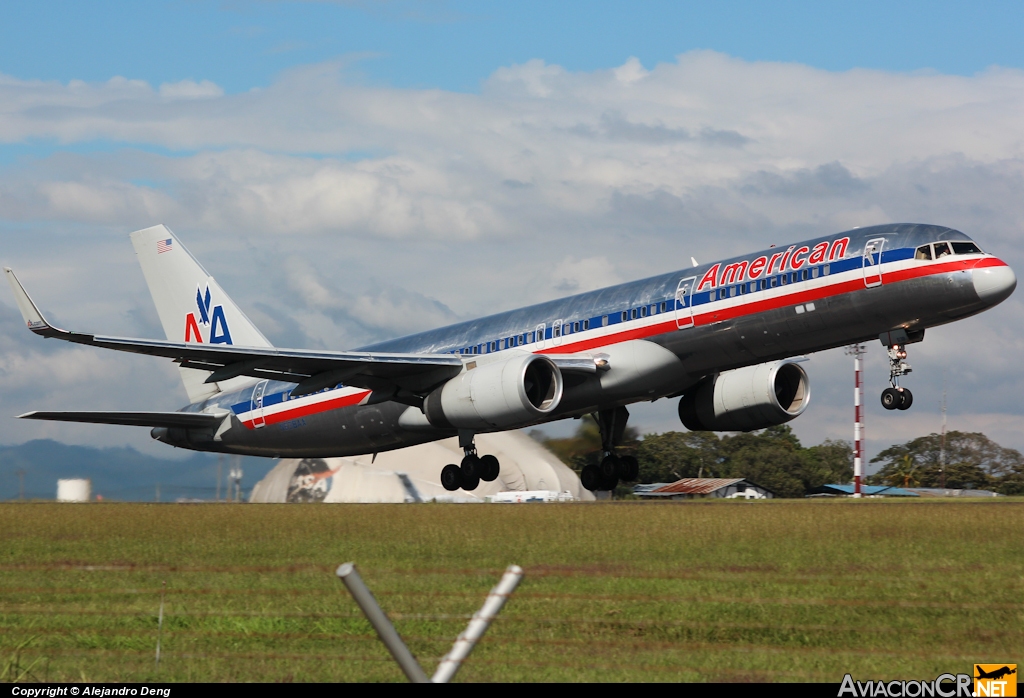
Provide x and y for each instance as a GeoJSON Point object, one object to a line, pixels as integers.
{"type": "Point", "coordinates": [857, 351]}
{"type": "Point", "coordinates": [942, 443]}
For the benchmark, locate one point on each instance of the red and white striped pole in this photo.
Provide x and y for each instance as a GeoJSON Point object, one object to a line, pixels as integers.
{"type": "Point", "coordinates": [858, 351]}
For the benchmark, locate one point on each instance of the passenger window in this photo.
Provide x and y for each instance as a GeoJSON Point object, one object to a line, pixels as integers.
{"type": "Point", "coordinates": [965, 248]}
{"type": "Point", "coordinates": [942, 250]}
{"type": "Point", "coordinates": [923, 252]}
{"type": "Point", "coordinates": [814, 273]}
{"type": "Point", "coordinates": [625, 315]}
{"type": "Point", "coordinates": [826, 271]}
{"type": "Point", "coordinates": [664, 306]}
{"type": "Point", "coordinates": [586, 324]}
{"type": "Point", "coordinates": [604, 321]}
{"type": "Point", "coordinates": [575, 327]}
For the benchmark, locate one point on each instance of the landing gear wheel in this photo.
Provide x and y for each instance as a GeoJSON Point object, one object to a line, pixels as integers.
{"type": "Point", "coordinates": [470, 483]}
{"type": "Point", "coordinates": [451, 477]}
{"type": "Point", "coordinates": [471, 466]}
{"type": "Point", "coordinates": [891, 398]}
{"type": "Point", "coordinates": [591, 478]}
{"type": "Point", "coordinates": [610, 466]}
{"type": "Point", "coordinates": [610, 483]}
{"type": "Point", "coordinates": [489, 468]}
{"type": "Point", "coordinates": [906, 400]}
{"type": "Point", "coordinates": [629, 468]}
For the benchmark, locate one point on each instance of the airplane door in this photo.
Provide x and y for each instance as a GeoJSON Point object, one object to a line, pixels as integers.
{"type": "Point", "coordinates": [256, 405]}
{"type": "Point", "coordinates": [684, 302]}
{"type": "Point", "coordinates": [873, 262]}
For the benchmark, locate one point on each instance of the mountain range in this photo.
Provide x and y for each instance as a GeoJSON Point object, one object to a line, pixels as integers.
{"type": "Point", "coordinates": [120, 474]}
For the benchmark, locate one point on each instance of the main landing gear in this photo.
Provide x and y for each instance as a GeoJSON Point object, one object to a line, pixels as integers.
{"type": "Point", "coordinates": [613, 467]}
{"type": "Point", "coordinates": [895, 397]}
{"type": "Point", "coordinates": [474, 468]}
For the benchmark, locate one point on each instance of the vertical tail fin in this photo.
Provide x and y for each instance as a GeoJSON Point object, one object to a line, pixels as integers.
{"type": "Point", "coordinates": [191, 304]}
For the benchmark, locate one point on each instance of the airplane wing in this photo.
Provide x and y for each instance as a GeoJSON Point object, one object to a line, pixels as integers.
{"type": "Point", "coordinates": [184, 420]}
{"type": "Point", "coordinates": [313, 370]}
{"type": "Point", "coordinates": [395, 375]}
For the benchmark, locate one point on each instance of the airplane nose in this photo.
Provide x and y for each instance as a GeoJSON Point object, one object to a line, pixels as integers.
{"type": "Point", "coordinates": [994, 284]}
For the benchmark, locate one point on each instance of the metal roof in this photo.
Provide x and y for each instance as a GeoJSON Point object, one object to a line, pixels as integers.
{"type": "Point", "coordinates": [866, 490]}
{"type": "Point", "coordinates": [696, 485]}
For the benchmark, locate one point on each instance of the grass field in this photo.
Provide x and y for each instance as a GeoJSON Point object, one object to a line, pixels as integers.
{"type": "Point", "coordinates": [700, 591]}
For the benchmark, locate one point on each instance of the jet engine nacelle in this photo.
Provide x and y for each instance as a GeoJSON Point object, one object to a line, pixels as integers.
{"type": "Point", "coordinates": [745, 399]}
{"type": "Point", "coordinates": [499, 395]}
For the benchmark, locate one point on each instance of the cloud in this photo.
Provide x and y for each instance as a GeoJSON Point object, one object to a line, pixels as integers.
{"type": "Point", "coordinates": [339, 213]}
{"type": "Point", "coordinates": [189, 89]}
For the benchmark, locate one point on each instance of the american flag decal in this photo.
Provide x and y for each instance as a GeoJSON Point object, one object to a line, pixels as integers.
{"type": "Point", "coordinates": [163, 245]}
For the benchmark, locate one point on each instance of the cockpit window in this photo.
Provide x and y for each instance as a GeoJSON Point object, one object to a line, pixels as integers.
{"type": "Point", "coordinates": [942, 250]}
{"type": "Point", "coordinates": [965, 248]}
{"type": "Point", "coordinates": [923, 252]}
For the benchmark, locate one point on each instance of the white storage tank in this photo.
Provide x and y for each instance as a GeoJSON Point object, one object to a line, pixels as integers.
{"type": "Point", "coordinates": [77, 490]}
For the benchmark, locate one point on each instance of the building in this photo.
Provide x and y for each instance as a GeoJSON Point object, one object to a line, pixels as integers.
{"type": "Point", "coordinates": [413, 474]}
{"type": "Point", "coordinates": [940, 492]}
{"type": "Point", "coordinates": [865, 491]}
{"type": "Point", "coordinates": [704, 488]}
{"type": "Point", "coordinates": [74, 490]}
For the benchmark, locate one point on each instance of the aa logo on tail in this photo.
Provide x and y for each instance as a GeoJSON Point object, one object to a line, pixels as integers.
{"type": "Point", "coordinates": [215, 321]}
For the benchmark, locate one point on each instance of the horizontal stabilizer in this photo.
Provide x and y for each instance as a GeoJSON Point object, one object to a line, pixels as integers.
{"type": "Point", "coordinates": [182, 420]}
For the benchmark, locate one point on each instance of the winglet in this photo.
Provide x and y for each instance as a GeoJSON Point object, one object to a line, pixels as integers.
{"type": "Point", "coordinates": [33, 318]}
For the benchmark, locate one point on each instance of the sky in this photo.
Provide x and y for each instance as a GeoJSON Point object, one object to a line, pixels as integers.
{"type": "Point", "coordinates": [354, 171]}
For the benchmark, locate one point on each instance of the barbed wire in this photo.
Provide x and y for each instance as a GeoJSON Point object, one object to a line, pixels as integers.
{"type": "Point", "coordinates": [507, 620]}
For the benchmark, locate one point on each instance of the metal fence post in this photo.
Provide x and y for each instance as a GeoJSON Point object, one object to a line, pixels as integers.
{"type": "Point", "coordinates": [385, 630]}
{"type": "Point", "coordinates": [478, 625]}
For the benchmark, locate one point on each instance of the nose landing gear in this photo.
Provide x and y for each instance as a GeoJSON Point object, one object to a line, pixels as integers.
{"type": "Point", "coordinates": [613, 467]}
{"type": "Point", "coordinates": [473, 469]}
{"type": "Point", "coordinates": [896, 397]}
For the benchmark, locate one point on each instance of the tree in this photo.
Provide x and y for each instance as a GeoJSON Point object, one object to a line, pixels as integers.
{"type": "Point", "coordinates": [674, 455]}
{"type": "Point", "coordinates": [973, 461]}
{"type": "Point", "coordinates": [772, 458]}
{"type": "Point", "coordinates": [829, 462]}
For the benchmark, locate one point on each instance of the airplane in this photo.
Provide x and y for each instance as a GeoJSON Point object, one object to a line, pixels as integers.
{"type": "Point", "coordinates": [726, 338]}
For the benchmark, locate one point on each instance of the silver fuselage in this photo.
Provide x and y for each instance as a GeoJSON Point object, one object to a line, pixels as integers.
{"type": "Point", "coordinates": [660, 336]}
